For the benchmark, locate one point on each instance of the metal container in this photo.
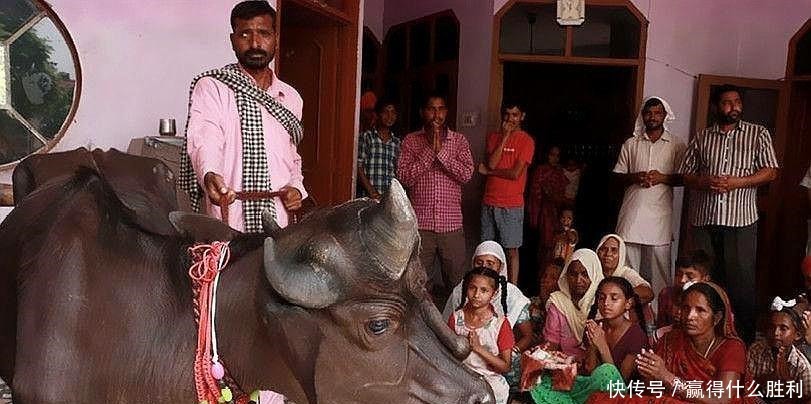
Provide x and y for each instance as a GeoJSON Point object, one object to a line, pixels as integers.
{"type": "Point", "coordinates": [167, 127]}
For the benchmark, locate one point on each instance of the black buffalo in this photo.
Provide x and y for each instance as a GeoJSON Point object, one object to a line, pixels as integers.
{"type": "Point", "coordinates": [95, 301]}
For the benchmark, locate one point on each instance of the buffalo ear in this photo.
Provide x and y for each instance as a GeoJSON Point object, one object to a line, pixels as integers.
{"type": "Point", "coordinates": [144, 185]}
{"type": "Point", "coordinates": [302, 284]}
{"type": "Point", "coordinates": [201, 227]}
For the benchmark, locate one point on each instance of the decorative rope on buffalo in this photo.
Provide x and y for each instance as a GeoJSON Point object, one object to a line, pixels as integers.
{"type": "Point", "coordinates": [212, 381]}
{"type": "Point", "coordinates": [208, 262]}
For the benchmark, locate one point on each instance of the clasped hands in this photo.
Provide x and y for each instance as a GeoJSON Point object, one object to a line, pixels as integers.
{"type": "Point", "coordinates": [649, 179]}
{"type": "Point", "coordinates": [720, 184]}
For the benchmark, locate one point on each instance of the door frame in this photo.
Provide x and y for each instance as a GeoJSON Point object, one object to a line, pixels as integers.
{"type": "Point", "coordinates": [345, 136]}
{"type": "Point", "coordinates": [498, 58]}
{"type": "Point", "coordinates": [771, 202]}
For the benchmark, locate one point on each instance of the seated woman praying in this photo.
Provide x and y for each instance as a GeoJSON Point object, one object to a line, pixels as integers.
{"type": "Point", "coordinates": [704, 349]}
{"type": "Point", "coordinates": [567, 309]}
{"type": "Point", "coordinates": [612, 346]}
{"type": "Point", "coordinates": [777, 359]}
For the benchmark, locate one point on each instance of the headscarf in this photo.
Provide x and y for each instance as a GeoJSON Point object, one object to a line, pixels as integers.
{"type": "Point", "coordinates": [576, 315]}
{"type": "Point", "coordinates": [622, 269]}
{"type": "Point", "coordinates": [516, 300]}
{"type": "Point", "coordinates": [728, 330]}
{"type": "Point", "coordinates": [490, 247]}
{"type": "Point", "coordinates": [639, 127]}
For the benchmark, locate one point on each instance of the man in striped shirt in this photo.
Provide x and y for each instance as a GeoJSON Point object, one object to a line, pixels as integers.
{"type": "Point", "coordinates": [723, 167]}
{"type": "Point", "coordinates": [434, 164]}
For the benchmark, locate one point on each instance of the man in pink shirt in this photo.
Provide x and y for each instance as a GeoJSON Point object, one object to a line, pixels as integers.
{"type": "Point", "coordinates": [243, 128]}
{"type": "Point", "coordinates": [434, 164]}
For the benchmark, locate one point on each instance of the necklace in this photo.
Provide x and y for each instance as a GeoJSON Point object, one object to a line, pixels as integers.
{"type": "Point", "coordinates": [709, 347]}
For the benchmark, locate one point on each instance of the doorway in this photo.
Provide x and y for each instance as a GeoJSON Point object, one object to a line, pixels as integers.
{"type": "Point", "coordinates": [318, 57]}
{"type": "Point", "coordinates": [581, 86]}
{"type": "Point", "coordinates": [588, 111]}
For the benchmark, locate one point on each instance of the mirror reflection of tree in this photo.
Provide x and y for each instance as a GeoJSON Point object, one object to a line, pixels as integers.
{"type": "Point", "coordinates": [38, 97]}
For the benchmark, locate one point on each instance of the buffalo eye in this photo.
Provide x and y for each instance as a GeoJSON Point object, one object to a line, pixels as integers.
{"type": "Point", "coordinates": [379, 326]}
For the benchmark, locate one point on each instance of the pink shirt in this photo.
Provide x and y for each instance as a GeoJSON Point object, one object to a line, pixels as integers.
{"type": "Point", "coordinates": [214, 139]}
{"type": "Point", "coordinates": [557, 331]}
{"type": "Point", "coordinates": [434, 180]}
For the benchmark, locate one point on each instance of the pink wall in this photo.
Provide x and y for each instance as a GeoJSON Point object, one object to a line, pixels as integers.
{"type": "Point", "coordinates": [137, 60]}
{"type": "Point", "coordinates": [473, 85]}
{"type": "Point", "coordinates": [373, 17]}
{"type": "Point", "coordinates": [685, 38]}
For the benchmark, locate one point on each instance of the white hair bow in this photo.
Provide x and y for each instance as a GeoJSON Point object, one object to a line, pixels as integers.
{"type": "Point", "coordinates": [778, 304]}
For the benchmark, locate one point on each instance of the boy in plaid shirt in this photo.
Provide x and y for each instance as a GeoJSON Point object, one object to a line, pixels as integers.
{"type": "Point", "coordinates": [378, 150]}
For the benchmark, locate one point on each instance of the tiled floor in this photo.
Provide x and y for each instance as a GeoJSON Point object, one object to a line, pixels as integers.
{"type": "Point", "coordinates": [5, 393]}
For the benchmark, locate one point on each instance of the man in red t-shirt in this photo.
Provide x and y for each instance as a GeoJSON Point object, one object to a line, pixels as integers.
{"type": "Point", "coordinates": [508, 155]}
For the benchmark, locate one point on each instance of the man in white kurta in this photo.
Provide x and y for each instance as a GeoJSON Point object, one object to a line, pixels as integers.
{"type": "Point", "coordinates": [647, 163]}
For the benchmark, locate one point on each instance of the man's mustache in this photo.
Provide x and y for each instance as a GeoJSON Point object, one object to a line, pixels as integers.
{"type": "Point", "coordinates": [255, 52]}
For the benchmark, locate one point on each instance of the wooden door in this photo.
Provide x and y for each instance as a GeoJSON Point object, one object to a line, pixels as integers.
{"type": "Point", "coordinates": [318, 57]}
{"type": "Point", "coordinates": [764, 104]}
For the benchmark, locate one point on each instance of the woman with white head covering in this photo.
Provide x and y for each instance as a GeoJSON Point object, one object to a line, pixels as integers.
{"type": "Point", "coordinates": [568, 308]}
{"type": "Point", "coordinates": [489, 254]}
{"type": "Point", "coordinates": [567, 311]}
{"type": "Point", "coordinates": [611, 250]}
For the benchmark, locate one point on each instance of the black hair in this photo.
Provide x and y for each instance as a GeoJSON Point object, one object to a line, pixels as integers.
{"type": "Point", "coordinates": [627, 291]}
{"type": "Point", "coordinates": [652, 102]}
{"type": "Point", "coordinates": [433, 94]}
{"type": "Point", "coordinates": [251, 8]}
{"type": "Point", "coordinates": [795, 317]}
{"type": "Point", "coordinates": [382, 103]}
{"type": "Point", "coordinates": [713, 298]}
{"type": "Point", "coordinates": [697, 259]}
{"type": "Point", "coordinates": [720, 90]}
{"type": "Point", "coordinates": [501, 282]}
{"type": "Point", "coordinates": [511, 104]}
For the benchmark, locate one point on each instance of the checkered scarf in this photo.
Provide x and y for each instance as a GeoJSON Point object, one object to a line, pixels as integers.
{"type": "Point", "coordinates": [254, 162]}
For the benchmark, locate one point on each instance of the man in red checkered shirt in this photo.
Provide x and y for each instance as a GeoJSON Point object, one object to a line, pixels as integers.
{"type": "Point", "coordinates": [434, 164]}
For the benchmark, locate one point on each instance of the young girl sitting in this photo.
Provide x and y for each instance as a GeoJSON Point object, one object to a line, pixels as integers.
{"type": "Point", "coordinates": [490, 336]}
{"type": "Point", "coordinates": [616, 340]}
{"type": "Point", "coordinates": [777, 359]}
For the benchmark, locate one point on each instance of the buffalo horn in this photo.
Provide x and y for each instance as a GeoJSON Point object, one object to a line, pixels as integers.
{"type": "Point", "coordinates": [389, 231]}
{"type": "Point", "coordinates": [458, 346]}
{"type": "Point", "coordinates": [269, 224]}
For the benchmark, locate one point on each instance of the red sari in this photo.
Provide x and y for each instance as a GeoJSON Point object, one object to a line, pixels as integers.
{"type": "Point", "coordinates": [547, 190]}
{"type": "Point", "coordinates": [684, 362]}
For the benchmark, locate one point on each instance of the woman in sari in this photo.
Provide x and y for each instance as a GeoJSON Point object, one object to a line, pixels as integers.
{"type": "Point", "coordinates": [706, 348]}
{"type": "Point", "coordinates": [567, 312]}
{"type": "Point", "coordinates": [547, 192]}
